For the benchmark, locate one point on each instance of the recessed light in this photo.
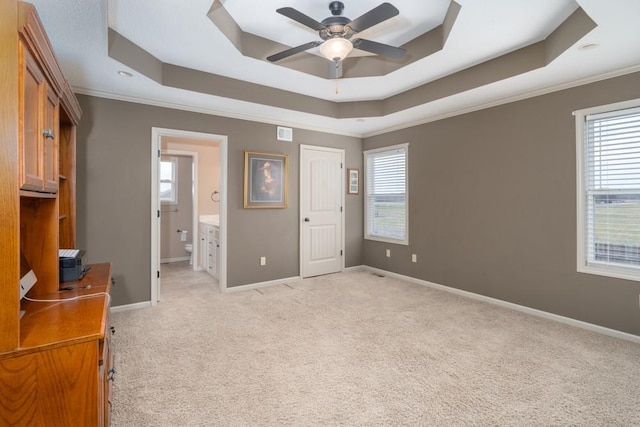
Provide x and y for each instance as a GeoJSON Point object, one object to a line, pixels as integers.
{"type": "Point", "coordinates": [589, 46]}
{"type": "Point", "coordinates": [125, 73]}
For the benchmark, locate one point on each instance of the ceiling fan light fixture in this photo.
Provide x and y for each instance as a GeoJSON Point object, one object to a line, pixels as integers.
{"type": "Point", "coordinates": [336, 49]}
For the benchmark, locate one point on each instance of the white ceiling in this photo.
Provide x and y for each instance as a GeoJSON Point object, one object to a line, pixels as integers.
{"type": "Point", "coordinates": [180, 33]}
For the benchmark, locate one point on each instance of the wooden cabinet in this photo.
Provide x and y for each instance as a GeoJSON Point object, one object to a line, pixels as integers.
{"type": "Point", "coordinates": [61, 373]}
{"type": "Point", "coordinates": [67, 186]}
{"type": "Point", "coordinates": [50, 134]}
{"type": "Point", "coordinates": [108, 376]}
{"type": "Point", "coordinates": [32, 86]}
{"type": "Point", "coordinates": [56, 360]}
{"type": "Point", "coordinates": [39, 132]}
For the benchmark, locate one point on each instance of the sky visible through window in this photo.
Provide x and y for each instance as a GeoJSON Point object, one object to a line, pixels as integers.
{"type": "Point", "coordinates": [613, 184]}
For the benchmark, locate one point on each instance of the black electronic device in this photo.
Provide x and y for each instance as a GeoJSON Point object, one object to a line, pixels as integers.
{"type": "Point", "coordinates": [72, 266]}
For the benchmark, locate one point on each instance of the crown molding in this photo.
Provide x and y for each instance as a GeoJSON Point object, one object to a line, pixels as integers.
{"type": "Point", "coordinates": [209, 111]}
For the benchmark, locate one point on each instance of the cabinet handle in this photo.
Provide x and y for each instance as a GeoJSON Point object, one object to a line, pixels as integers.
{"type": "Point", "coordinates": [111, 374]}
{"type": "Point", "coordinates": [113, 330]}
{"type": "Point", "coordinates": [48, 133]}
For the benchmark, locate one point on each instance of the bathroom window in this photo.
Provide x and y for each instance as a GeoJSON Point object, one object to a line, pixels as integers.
{"type": "Point", "coordinates": [169, 180]}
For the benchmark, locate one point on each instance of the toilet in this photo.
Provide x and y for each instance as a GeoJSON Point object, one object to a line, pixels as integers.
{"type": "Point", "coordinates": [189, 248]}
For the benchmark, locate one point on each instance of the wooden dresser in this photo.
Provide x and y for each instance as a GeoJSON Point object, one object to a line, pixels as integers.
{"type": "Point", "coordinates": [62, 372]}
{"type": "Point", "coordinates": [56, 360]}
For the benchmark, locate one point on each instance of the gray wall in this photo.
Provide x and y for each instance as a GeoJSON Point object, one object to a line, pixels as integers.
{"type": "Point", "coordinates": [492, 199]}
{"type": "Point", "coordinates": [114, 194]}
{"type": "Point", "coordinates": [178, 216]}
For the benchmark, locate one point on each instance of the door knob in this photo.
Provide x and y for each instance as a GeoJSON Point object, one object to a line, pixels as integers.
{"type": "Point", "coordinates": [306, 220]}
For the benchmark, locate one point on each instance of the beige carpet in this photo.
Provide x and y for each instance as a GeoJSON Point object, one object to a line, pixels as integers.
{"type": "Point", "coordinates": [357, 349]}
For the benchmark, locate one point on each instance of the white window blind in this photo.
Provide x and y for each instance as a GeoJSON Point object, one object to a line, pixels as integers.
{"type": "Point", "coordinates": [386, 194]}
{"type": "Point", "coordinates": [611, 214]}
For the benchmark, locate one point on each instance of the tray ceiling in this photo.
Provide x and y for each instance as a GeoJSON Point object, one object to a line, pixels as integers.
{"type": "Point", "coordinates": [207, 56]}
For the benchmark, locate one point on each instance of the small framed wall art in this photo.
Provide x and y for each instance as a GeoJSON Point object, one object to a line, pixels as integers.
{"type": "Point", "coordinates": [353, 181]}
{"type": "Point", "coordinates": [266, 180]}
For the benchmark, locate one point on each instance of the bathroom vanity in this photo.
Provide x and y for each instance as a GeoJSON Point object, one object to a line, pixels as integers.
{"type": "Point", "coordinates": [210, 244]}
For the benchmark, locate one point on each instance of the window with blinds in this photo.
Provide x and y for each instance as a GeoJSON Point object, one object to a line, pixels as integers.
{"type": "Point", "coordinates": [610, 206]}
{"type": "Point", "coordinates": [386, 212]}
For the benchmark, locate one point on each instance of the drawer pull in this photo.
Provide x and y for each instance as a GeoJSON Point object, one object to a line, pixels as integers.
{"type": "Point", "coordinates": [111, 374]}
{"type": "Point", "coordinates": [48, 133]}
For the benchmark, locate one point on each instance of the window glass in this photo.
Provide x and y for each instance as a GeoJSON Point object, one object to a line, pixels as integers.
{"type": "Point", "coordinates": [168, 180]}
{"type": "Point", "coordinates": [386, 213]}
{"type": "Point", "coordinates": [609, 199]}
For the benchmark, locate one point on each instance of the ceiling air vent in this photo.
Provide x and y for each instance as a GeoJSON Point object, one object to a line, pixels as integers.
{"type": "Point", "coordinates": [285, 134]}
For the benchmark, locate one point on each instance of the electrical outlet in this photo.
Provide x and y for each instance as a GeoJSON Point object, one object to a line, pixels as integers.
{"type": "Point", "coordinates": [263, 260]}
{"type": "Point", "coordinates": [388, 253]}
{"type": "Point", "coordinates": [414, 258]}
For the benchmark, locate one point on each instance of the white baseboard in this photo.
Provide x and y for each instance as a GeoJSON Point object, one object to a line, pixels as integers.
{"type": "Point", "coordinates": [555, 317]}
{"type": "Point", "coordinates": [177, 259]}
{"type": "Point", "coordinates": [354, 268]}
{"type": "Point", "coordinates": [263, 284]}
{"type": "Point", "coordinates": [127, 307]}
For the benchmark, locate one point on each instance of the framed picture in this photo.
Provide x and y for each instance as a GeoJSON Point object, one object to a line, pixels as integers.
{"type": "Point", "coordinates": [266, 180]}
{"type": "Point", "coordinates": [353, 181]}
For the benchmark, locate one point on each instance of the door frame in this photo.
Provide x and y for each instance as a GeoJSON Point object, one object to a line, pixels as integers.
{"type": "Point", "coordinates": [341, 151]}
{"type": "Point", "coordinates": [157, 134]}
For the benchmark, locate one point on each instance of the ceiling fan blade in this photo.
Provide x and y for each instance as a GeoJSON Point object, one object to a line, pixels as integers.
{"type": "Point", "coordinates": [292, 51]}
{"type": "Point", "coordinates": [300, 17]}
{"type": "Point", "coordinates": [379, 48]}
{"type": "Point", "coordinates": [373, 17]}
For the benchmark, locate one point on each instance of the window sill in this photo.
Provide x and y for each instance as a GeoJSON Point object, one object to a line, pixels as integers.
{"type": "Point", "coordinates": [616, 272]}
{"type": "Point", "coordinates": [387, 240]}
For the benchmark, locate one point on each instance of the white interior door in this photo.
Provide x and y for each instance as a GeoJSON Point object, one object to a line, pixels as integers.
{"type": "Point", "coordinates": [321, 210]}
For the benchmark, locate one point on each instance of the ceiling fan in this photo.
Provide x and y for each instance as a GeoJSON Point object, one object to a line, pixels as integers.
{"type": "Point", "coordinates": [336, 32]}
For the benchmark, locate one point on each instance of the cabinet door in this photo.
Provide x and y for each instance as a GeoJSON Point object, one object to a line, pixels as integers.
{"type": "Point", "coordinates": [204, 251]}
{"type": "Point", "coordinates": [32, 85]}
{"type": "Point", "coordinates": [212, 256]}
{"type": "Point", "coordinates": [50, 142]}
{"type": "Point", "coordinates": [110, 376]}
{"type": "Point", "coordinates": [217, 257]}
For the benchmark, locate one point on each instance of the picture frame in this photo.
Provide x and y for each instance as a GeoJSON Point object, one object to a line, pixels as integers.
{"type": "Point", "coordinates": [266, 180]}
{"type": "Point", "coordinates": [353, 181]}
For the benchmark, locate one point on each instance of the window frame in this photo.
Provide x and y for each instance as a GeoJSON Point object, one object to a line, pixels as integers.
{"type": "Point", "coordinates": [173, 181]}
{"type": "Point", "coordinates": [367, 234]}
{"type": "Point", "coordinates": [584, 265]}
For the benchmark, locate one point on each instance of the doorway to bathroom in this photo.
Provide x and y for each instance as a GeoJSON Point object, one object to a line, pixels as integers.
{"type": "Point", "coordinates": [178, 205]}
{"type": "Point", "coordinates": [188, 186]}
